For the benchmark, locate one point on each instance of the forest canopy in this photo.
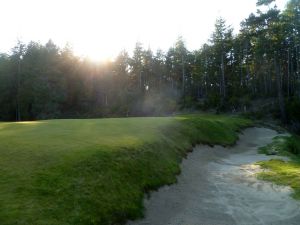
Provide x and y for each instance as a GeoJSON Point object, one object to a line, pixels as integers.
{"type": "Point", "coordinates": [228, 73]}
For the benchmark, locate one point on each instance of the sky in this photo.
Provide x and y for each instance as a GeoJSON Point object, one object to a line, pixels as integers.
{"type": "Point", "coordinates": [100, 29]}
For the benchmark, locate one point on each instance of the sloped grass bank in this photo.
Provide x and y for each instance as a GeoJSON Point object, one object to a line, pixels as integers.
{"type": "Point", "coordinates": [279, 171]}
{"type": "Point", "coordinates": [96, 171]}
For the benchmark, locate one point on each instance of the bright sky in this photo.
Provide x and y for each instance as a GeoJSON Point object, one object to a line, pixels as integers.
{"type": "Point", "coordinates": [100, 29]}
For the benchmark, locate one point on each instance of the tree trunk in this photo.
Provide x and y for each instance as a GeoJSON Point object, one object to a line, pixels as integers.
{"type": "Point", "coordinates": [183, 76]}
{"type": "Point", "coordinates": [265, 84]}
{"type": "Point", "coordinates": [140, 81]}
{"type": "Point", "coordinates": [288, 75]}
{"type": "Point", "coordinates": [18, 111]}
{"type": "Point", "coordinates": [223, 77]}
{"type": "Point", "coordinates": [298, 70]}
{"type": "Point", "coordinates": [279, 91]}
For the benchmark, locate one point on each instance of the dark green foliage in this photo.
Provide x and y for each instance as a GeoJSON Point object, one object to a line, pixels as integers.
{"type": "Point", "coordinates": [264, 2]}
{"type": "Point", "coordinates": [293, 109]}
{"type": "Point", "coordinates": [293, 106]}
{"type": "Point", "coordinates": [293, 145]}
{"type": "Point", "coordinates": [283, 145]}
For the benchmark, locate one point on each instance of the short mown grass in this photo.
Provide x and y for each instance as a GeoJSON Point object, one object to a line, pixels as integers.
{"type": "Point", "coordinates": [96, 171]}
{"type": "Point", "coordinates": [279, 171]}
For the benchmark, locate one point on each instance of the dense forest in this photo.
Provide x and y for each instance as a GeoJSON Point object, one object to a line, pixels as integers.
{"type": "Point", "coordinates": [231, 72]}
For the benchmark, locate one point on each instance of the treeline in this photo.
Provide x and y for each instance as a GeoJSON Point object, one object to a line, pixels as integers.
{"type": "Point", "coordinates": [228, 73]}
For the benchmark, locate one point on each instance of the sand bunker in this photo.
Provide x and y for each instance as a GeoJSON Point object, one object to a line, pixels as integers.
{"type": "Point", "coordinates": [218, 186]}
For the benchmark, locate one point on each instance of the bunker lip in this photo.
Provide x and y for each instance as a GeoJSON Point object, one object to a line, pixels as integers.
{"type": "Point", "coordinates": [218, 186]}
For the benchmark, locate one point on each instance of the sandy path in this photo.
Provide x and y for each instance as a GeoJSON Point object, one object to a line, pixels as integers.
{"type": "Point", "coordinates": [217, 186]}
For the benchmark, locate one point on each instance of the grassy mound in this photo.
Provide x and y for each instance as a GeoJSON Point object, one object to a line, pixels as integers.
{"type": "Point", "coordinates": [95, 171]}
{"type": "Point", "coordinates": [279, 171]}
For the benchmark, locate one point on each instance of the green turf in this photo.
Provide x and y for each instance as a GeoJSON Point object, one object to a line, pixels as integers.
{"type": "Point", "coordinates": [95, 171]}
{"type": "Point", "coordinates": [279, 171]}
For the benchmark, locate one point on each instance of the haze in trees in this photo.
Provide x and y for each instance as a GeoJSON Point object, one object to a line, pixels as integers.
{"type": "Point", "coordinates": [227, 73]}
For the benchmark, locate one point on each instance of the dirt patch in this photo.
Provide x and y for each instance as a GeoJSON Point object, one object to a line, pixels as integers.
{"type": "Point", "coordinates": [218, 186]}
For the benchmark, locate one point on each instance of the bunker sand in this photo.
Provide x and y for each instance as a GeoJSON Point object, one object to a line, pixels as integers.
{"type": "Point", "coordinates": [218, 186]}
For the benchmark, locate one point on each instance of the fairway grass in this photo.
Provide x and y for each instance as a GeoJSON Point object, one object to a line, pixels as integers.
{"type": "Point", "coordinates": [96, 171]}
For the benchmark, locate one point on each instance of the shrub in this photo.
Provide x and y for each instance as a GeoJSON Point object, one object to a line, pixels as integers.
{"type": "Point", "coordinates": [293, 144]}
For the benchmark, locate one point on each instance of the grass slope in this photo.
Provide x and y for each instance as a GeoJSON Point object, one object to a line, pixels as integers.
{"type": "Point", "coordinates": [95, 171]}
{"type": "Point", "coordinates": [279, 171]}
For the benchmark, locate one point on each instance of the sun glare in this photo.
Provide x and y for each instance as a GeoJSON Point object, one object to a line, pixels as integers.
{"type": "Point", "coordinates": [96, 53]}
{"type": "Point", "coordinates": [97, 56]}
{"type": "Point", "coordinates": [101, 29]}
